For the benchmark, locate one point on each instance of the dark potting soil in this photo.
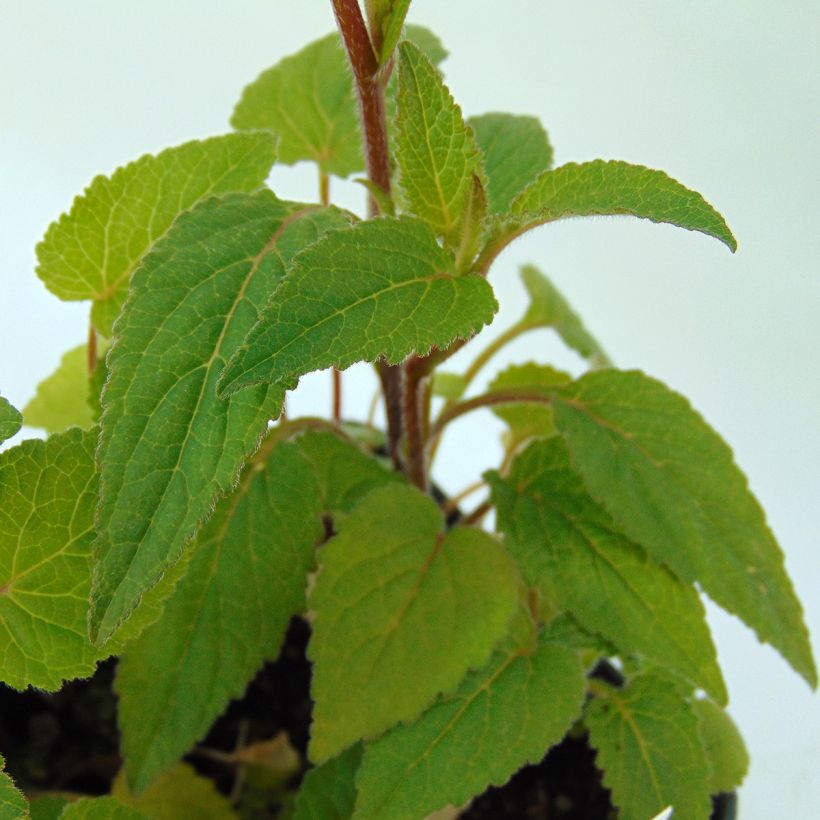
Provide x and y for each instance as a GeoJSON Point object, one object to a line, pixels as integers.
{"type": "Point", "coordinates": [68, 741]}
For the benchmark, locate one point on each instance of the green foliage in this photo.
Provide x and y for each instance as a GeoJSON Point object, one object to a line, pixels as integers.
{"type": "Point", "coordinates": [91, 252]}
{"type": "Point", "coordinates": [169, 521]}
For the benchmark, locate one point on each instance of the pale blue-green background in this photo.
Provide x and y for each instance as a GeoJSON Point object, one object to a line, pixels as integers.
{"type": "Point", "coordinates": [722, 95]}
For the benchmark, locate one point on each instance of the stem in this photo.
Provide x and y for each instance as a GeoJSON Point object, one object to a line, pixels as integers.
{"type": "Point", "coordinates": [493, 347]}
{"type": "Point", "coordinates": [92, 350]}
{"type": "Point", "coordinates": [416, 372]}
{"type": "Point", "coordinates": [454, 502]}
{"type": "Point", "coordinates": [477, 514]}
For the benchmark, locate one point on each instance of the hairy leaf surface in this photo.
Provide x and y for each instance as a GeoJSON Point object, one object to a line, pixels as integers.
{"type": "Point", "coordinates": [436, 151]}
{"type": "Point", "coordinates": [328, 792]}
{"type": "Point", "coordinates": [650, 750]}
{"type": "Point", "coordinates": [568, 546]}
{"type": "Point", "coordinates": [101, 808]}
{"type": "Point", "coordinates": [402, 612]}
{"type": "Point", "coordinates": [383, 287]}
{"type": "Point", "coordinates": [91, 252]}
{"type": "Point", "coordinates": [386, 19]}
{"type": "Point", "coordinates": [10, 420]}
{"type": "Point", "coordinates": [725, 749]}
{"type": "Point", "coordinates": [671, 485]}
{"type": "Point", "coordinates": [47, 494]}
{"type": "Point", "coordinates": [500, 718]}
{"type": "Point", "coordinates": [516, 150]}
{"type": "Point", "coordinates": [13, 804]}
{"type": "Point", "coordinates": [246, 577]}
{"type": "Point", "coordinates": [169, 446]}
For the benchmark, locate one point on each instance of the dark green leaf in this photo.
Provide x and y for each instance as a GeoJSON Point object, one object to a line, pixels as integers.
{"type": "Point", "coordinates": [10, 420]}
{"type": "Point", "coordinates": [328, 792]}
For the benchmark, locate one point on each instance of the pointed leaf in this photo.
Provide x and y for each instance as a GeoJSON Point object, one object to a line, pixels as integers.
{"type": "Point", "coordinates": [101, 808]}
{"type": "Point", "coordinates": [246, 577]}
{"type": "Point", "coordinates": [671, 485]}
{"type": "Point", "coordinates": [427, 42]}
{"type": "Point", "coordinates": [725, 749]}
{"type": "Point", "coordinates": [179, 794]}
{"type": "Point", "coordinates": [402, 612]}
{"type": "Point", "coordinates": [567, 545]}
{"type": "Point", "coordinates": [61, 400]}
{"type": "Point", "coordinates": [386, 19]}
{"type": "Point", "coordinates": [384, 287]}
{"type": "Point", "coordinates": [91, 252]}
{"type": "Point", "coordinates": [47, 494]}
{"type": "Point", "coordinates": [436, 152]}
{"type": "Point", "coordinates": [516, 150]}
{"type": "Point", "coordinates": [650, 750]}
{"type": "Point", "coordinates": [10, 420]}
{"type": "Point", "coordinates": [500, 718]}
{"type": "Point", "coordinates": [548, 308]}
{"type": "Point", "coordinates": [328, 792]}
{"type": "Point", "coordinates": [169, 446]}
{"type": "Point", "coordinates": [13, 803]}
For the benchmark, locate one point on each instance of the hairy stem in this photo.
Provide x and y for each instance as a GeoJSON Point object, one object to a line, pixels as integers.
{"type": "Point", "coordinates": [416, 374]}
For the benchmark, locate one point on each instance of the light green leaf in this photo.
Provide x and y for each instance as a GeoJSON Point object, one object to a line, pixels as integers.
{"type": "Point", "coordinates": [383, 287]}
{"type": "Point", "coordinates": [61, 400]}
{"type": "Point", "coordinates": [516, 150]}
{"type": "Point", "coordinates": [169, 446]}
{"type": "Point", "coordinates": [449, 386]}
{"type": "Point", "coordinates": [427, 42]}
{"type": "Point", "coordinates": [527, 420]}
{"type": "Point", "coordinates": [436, 152]}
{"type": "Point", "coordinates": [402, 612]}
{"type": "Point", "coordinates": [328, 792]}
{"type": "Point", "coordinates": [91, 252]}
{"type": "Point", "coordinates": [101, 808]}
{"type": "Point", "coordinates": [47, 495]}
{"type": "Point", "coordinates": [725, 749]}
{"type": "Point", "coordinates": [548, 308]}
{"type": "Point", "coordinates": [246, 577]}
{"type": "Point", "coordinates": [671, 485]}
{"type": "Point", "coordinates": [386, 19]}
{"type": "Point", "coordinates": [566, 544]}
{"type": "Point", "coordinates": [308, 101]}
{"type": "Point", "coordinates": [13, 803]}
{"type": "Point", "coordinates": [10, 420]}
{"type": "Point", "coordinates": [179, 794]}
{"type": "Point", "coordinates": [650, 750]}
{"type": "Point", "coordinates": [500, 718]}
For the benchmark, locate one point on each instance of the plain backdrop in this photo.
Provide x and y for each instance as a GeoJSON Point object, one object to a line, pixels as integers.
{"type": "Point", "coordinates": [721, 95]}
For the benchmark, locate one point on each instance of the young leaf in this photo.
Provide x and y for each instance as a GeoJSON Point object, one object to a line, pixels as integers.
{"type": "Point", "coordinates": [328, 792]}
{"type": "Point", "coordinates": [101, 808]}
{"type": "Point", "coordinates": [516, 150]}
{"type": "Point", "coordinates": [10, 420]}
{"type": "Point", "coordinates": [179, 794]}
{"type": "Point", "coordinates": [246, 577]}
{"type": "Point", "coordinates": [402, 612]}
{"type": "Point", "coordinates": [47, 495]}
{"type": "Point", "coordinates": [548, 308]}
{"type": "Point", "coordinates": [725, 749]}
{"type": "Point", "coordinates": [386, 19]}
{"type": "Point", "coordinates": [91, 252]}
{"type": "Point", "coordinates": [436, 151]}
{"type": "Point", "coordinates": [169, 446]}
{"type": "Point", "coordinates": [566, 545]}
{"type": "Point", "coordinates": [383, 287]}
{"type": "Point", "coordinates": [650, 750]}
{"type": "Point", "coordinates": [61, 400]}
{"type": "Point", "coordinates": [671, 485]}
{"type": "Point", "coordinates": [500, 718]}
{"type": "Point", "coordinates": [13, 803]}
{"type": "Point", "coordinates": [527, 420]}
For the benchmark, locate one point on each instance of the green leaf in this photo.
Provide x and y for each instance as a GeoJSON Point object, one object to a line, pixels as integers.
{"type": "Point", "coordinates": [671, 485]}
{"type": "Point", "coordinates": [246, 577]}
{"type": "Point", "coordinates": [386, 19]}
{"type": "Point", "coordinates": [13, 803]}
{"type": "Point", "coordinates": [527, 420]}
{"type": "Point", "coordinates": [567, 545]}
{"type": "Point", "coordinates": [47, 806]}
{"type": "Point", "coordinates": [396, 600]}
{"type": "Point", "coordinates": [61, 400]}
{"type": "Point", "coordinates": [101, 808]}
{"type": "Point", "coordinates": [308, 101]}
{"type": "Point", "coordinates": [548, 308]}
{"type": "Point", "coordinates": [427, 42]}
{"type": "Point", "coordinates": [436, 152]}
{"type": "Point", "coordinates": [725, 749]}
{"type": "Point", "coordinates": [450, 386]}
{"type": "Point", "coordinates": [328, 792]}
{"type": "Point", "coordinates": [91, 252]}
{"type": "Point", "coordinates": [650, 749]}
{"type": "Point", "coordinates": [169, 446]}
{"type": "Point", "coordinates": [383, 287]}
{"type": "Point", "coordinates": [179, 794]}
{"type": "Point", "coordinates": [47, 494]}
{"type": "Point", "coordinates": [500, 718]}
{"type": "Point", "coordinates": [516, 150]}
{"type": "Point", "coordinates": [10, 420]}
